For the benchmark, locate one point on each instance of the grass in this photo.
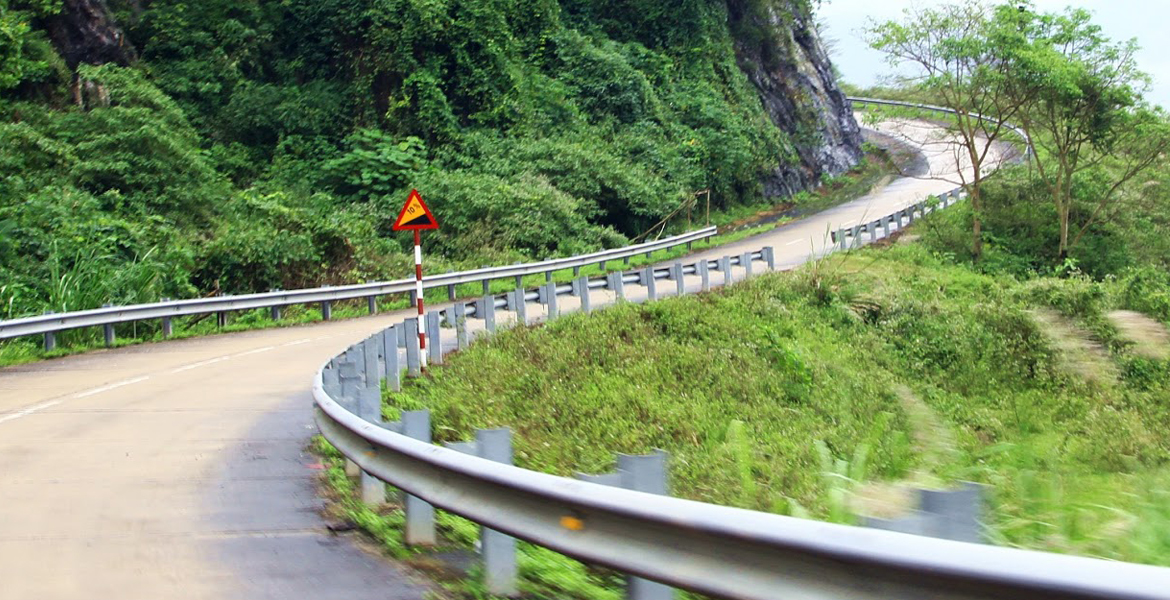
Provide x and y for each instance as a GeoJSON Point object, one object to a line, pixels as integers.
{"type": "Point", "coordinates": [795, 386]}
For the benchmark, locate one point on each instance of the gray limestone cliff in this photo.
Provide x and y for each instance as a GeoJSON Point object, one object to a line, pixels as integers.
{"type": "Point", "coordinates": [777, 46]}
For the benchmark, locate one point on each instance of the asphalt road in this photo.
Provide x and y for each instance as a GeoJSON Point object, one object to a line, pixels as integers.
{"type": "Point", "coordinates": [178, 469]}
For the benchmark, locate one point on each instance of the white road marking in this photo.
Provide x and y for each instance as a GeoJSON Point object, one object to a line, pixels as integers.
{"type": "Point", "coordinates": [113, 386]}
{"type": "Point", "coordinates": [793, 242]}
{"type": "Point", "coordinates": [30, 410]}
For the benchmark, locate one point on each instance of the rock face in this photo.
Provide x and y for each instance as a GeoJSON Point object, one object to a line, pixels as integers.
{"type": "Point", "coordinates": [85, 32]}
{"type": "Point", "coordinates": [778, 48]}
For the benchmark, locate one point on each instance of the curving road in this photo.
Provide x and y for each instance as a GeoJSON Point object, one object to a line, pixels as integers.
{"type": "Point", "coordinates": [178, 470]}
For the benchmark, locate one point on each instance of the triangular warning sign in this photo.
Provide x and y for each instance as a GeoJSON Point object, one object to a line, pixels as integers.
{"type": "Point", "coordinates": [415, 215]}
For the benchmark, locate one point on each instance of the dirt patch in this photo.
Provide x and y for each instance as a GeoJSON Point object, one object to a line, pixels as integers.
{"type": "Point", "coordinates": [1149, 337]}
{"type": "Point", "coordinates": [1080, 353]}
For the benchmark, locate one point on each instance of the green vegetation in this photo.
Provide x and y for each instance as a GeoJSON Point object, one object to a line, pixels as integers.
{"type": "Point", "coordinates": [1078, 94]}
{"type": "Point", "coordinates": [791, 382]}
{"type": "Point", "coordinates": [257, 145]}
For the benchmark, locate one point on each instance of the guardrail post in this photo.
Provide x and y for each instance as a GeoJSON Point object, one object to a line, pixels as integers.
{"type": "Point", "coordinates": [872, 227]}
{"type": "Point", "coordinates": [369, 402]}
{"type": "Point", "coordinates": [581, 286]}
{"type": "Point", "coordinates": [841, 239]}
{"type": "Point", "coordinates": [601, 265]}
{"type": "Point", "coordinates": [390, 356]}
{"type": "Point", "coordinates": [689, 244]}
{"type": "Point", "coordinates": [419, 528]}
{"type": "Point", "coordinates": [413, 366]}
{"type": "Point", "coordinates": [770, 257]}
{"type": "Point", "coordinates": [460, 311]}
{"type": "Point", "coordinates": [372, 304]}
{"type": "Point", "coordinates": [676, 273]}
{"type": "Point", "coordinates": [725, 266]}
{"type": "Point", "coordinates": [548, 276]}
{"type": "Point", "coordinates": [886, 226]}
{"type": "Point", "coordinates": [517, 305]}
{"type": "Point", "coordinates": [487, 285]}
{"type": "Point", "coordinates": [576, 271]}
{"type": "Point", "coordinates": [486, 310]}
{"type": "Point", "coordinates": [50, 337]}
{"type": "Point", "coordinates": [922, 208]}
{"type": "Point", "coordinates": [626, 261]}
{"type": "Point", "coordinates": [616, 284]}
{"type": "Point", "coordinates": [450, 288]}
{"type": "Point", "coordinates": [856, 236]}
{"type": "Point", "coordinates": [370, 369]}
{"type": "Point", "coordinates": [329, 379]}
{"type": "Point", "coordinates": [499, 550]}
{"type": "Point", "coordinates": [704, 274]}
{"type": "Point", "coordinates": [167, 326]}
{"type": "Point", "coordinates": [648, 281]}
{"type": "Point", "coordinates": [910, 215]}
{"type": "Point", "coordinates": [109, 329]}
{"type": "Point", "coordinates": [326, 310]}
{"type": "Point", "coordinates": [959, 511]}
{"type": "Point", "coordinates": [434, 339]}
{"type": "Point", "coordinates": [745, 261]}
{"type": "Point", "coordinates": [275, 313]}
{"type": "Point", "coordinates": [520, 281]}
{"type": "Point", "coordinates": [550, 298]}
{"type": "Point", "coordinates": [413, 298]}
{"type": "Point", "coordinates": [641, 473]}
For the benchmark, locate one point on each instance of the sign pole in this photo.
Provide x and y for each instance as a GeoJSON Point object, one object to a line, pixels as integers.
{"type": "Point", "coordinates": [418, 293]}
{"type": "Point", "coordinates": [416, 216]}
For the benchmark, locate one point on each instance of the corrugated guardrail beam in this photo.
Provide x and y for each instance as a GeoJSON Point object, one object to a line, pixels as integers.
{"type": "Point", "coordinates": [51, 323]}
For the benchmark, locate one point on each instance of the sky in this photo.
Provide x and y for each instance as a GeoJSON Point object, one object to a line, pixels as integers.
{"type": "Point", "coordinates": [1146, 20]}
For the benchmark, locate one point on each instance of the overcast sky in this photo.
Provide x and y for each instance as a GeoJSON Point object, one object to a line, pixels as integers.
{"type": "Point", "coordinates": [1146, 20]}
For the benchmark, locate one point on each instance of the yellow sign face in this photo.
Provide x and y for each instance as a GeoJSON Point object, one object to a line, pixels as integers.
{"type": "Point", "coordinates": [415, 215]}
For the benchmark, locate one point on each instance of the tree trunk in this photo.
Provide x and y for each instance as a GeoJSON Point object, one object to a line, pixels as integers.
{"type": "Point", "coordinates": [1063, 250]}
{"type": "Point", "coordinates": [976, 226]}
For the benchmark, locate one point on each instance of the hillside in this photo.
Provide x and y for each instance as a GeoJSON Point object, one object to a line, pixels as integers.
{"type": "Point", "coordinates": [171, 149]}
{"type": "Point", "coordinates": [820, 391]}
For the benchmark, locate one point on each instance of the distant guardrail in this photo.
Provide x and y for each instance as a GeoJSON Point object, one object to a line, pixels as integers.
{"type": "Point", "coordinates": [623, 520]}
{"type": "Point", "coordinates": [109, 316]}
{"type": "Point", "coordinates": [1019, 131]}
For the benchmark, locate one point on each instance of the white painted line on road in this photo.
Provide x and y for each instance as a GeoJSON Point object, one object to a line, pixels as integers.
{"type": "Point", "coordinates": [256, 351]}
{"type": "Point", "coordinates": [303, 341]}
{"type": "Point", "coordinates": [51, 403]}
{"type": "Point", "coordinates": [112, 386]}
{"type": "Point", "coordinates": [30, 410]}
{"type": "Point", "coordinates": [202, 363]}
{"type": "Point", "coordinates": [793, 242]}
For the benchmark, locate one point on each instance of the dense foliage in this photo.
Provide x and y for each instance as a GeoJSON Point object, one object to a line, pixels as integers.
{"type": "Point", "coordinates": [265, 144]}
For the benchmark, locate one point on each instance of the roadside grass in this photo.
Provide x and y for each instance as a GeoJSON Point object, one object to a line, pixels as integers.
{"type": "Point", "coordinates": [781, 394]}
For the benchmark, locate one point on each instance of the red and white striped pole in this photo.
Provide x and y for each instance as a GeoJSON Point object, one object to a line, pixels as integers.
{"type": "Point", "coordinates": [418, 293]}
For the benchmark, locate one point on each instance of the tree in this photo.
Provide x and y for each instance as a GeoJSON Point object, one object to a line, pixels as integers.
{"type": "Point", "coordinates": [959, 56]}
{"type": "Point", "coordinates": [1081, 95]}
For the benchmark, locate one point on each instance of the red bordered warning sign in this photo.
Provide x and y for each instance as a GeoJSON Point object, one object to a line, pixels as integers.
{"type": "Point", "coordinates": [415, 215]}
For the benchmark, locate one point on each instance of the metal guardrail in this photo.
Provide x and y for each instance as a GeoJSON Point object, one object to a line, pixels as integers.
{"type": "Point", "coordinates": [112, 315]}
{"type": "Point", "coordinates": [715, 550]}
{"type": "Point", "coordinates": [894, 220]}
{"type": "Point", "coordinates": [930, 107]}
